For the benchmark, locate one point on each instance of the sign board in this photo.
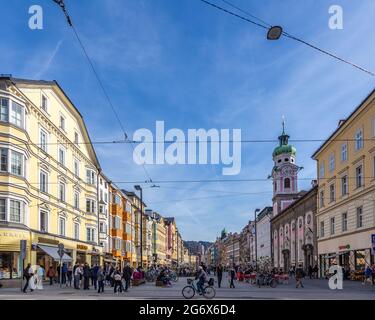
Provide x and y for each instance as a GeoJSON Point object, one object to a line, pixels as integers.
{"type": "Point", "coordinates": [23, 249]}
{"type": "Point", "coordinates": [61, 250]}
{"type": "Point", "coordinates": [373, 243]}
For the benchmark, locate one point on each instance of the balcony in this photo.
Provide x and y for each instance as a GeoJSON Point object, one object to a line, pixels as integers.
{"type": "Point", "coordinates": [126, 216]}
{"type": "Point", "coordinates": [116, 233]}
{"type": "Point", "coordinates": [126, 236]}
{"type": "Point", "coordinates": [116, 209]}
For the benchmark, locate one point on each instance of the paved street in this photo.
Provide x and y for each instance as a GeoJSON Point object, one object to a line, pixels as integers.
{"type": "Point", "coordinates": [314, 289]}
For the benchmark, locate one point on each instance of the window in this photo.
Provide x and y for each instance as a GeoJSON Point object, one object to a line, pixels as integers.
{"type": "Point", "coordinates": [15, 211]}
{"type": "Point", "coordinates": [332, 193]}
{"type": "Point", "coordinates": [43, 140]}
{"type": "Point", "coordinates": [62, 155]}
{"type": "Point", "coordinates": [17, 163]}
{"type": "Point", "coordinates": [43, 181]}
{"type": "Point", "coordinates": [62, 123]}
{"type": "Point", "coordinates": [359, 217]}
{"type": "Point", "coordinates": [331, 162]}
{"type": "Point", "coordinates": [4, 110]}
{"type": "Point", "coordinates": [76, 138]}
{"type": "Point", "coordinates": [61, 226]}
{"type": "Point", "coordinates": [344, 222]}
{"type": "Point", "coordinates": [286, 183]}
{"type": "Point", "coordinates": [116, 199]}
{"type": "Point", "coordinates": [4, 160]}
{"type": "Point", "coordinates": [76, 230]}
{"type": "Point", "coordinates": [344, 152]}
{"type": "Point", "coordinates": [105, 197]}
{"type": "Point", "coordinates": [332, 225]}
{"type": "Point", "coordinates": [90, 206]}
{"type": "Point", "coordinates": [358, 176]}
{"type": "Point", "coordinates": [116, 222]}
{"type": "Point", "coordinates": [90, 176]}
{"type": "Point", "coordinates": [128, 228]}
{"type": "Point", "coordinates": [44, 103]}
{"type": "Point", "coordinates": [90, 234]}
{"type": "Point", "coordinates": [16, 115]}
{"type": "Point", "coordinates": [321, 170]}
{"type": "Point", "coordinates": [76, 167]}
{"type": "Point", "coordinates": [116, 243]}
{"type": "Point", "coordinates": [76, 200]}
{"type": "Point", "coordinates": [62, 196]}
{"type": "Point", "coordinates": [358, 139]}
{"type": "Point", "coordinates": [3, 209]}
{"type": "Point", "coordinates": [102, 227]}
{"type": "Point", "coordinates": [275, 186]}
{"type": "Point", "coordinates": [101, 195]}
{"type": "Point", "coordinates": [344, 185]}
{"type": "Point", "coordinates": [43, 219]}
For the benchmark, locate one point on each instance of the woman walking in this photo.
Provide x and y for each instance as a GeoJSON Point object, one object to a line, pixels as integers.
{"type": "Point", "coordinates": [69, 275]}
{"type": "Point", "coordinates": [40, 277]}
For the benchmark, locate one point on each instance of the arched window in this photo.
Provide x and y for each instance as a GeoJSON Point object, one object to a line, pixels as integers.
{"type": "Point", "coordinates": [286, 183]}
{"type": "Point", "coordinates": [275, 184]}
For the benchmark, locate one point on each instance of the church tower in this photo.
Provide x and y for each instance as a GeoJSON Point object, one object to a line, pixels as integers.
{"type": "Point", "coordinates": [284, 174]}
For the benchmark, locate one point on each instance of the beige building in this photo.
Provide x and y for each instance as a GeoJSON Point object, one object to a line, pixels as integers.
{"type": "Point", "coordinates": [346, 192]}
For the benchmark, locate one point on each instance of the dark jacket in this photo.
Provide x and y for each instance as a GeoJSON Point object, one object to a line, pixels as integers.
{"type": "Point", "coordinates": [86, 271]}
{"type": "Point", "coordinates": [127, 273]}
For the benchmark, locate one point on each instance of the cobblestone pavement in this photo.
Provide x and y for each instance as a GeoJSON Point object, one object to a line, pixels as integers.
{"type": "Point", "coordinates": [313, 289]}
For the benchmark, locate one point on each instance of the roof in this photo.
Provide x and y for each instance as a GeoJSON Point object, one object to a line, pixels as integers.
{"type": "Point", "coordinates": [305, 194]}
{"type": "Point", "coordinates": [54, 84]}
{"type": "Point", "coordinates": [266, 211]}
{"type": "Point", "coordinates": [343, 123]}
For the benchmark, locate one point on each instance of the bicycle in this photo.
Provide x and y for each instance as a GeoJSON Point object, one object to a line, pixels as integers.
{"type": "Point", "coordinates": [191, 289]}
{"type": "Point", "coordinates": [173, 276]}
{"type": "Point", "coordinates": [266, 280]}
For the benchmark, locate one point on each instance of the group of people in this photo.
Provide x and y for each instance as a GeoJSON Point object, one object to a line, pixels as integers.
{"type": "Point", "coordinates": [82, 276]}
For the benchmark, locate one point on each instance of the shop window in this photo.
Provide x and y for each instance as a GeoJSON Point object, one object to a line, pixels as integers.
{"type": "Point", "coordinates": [3, 215]}
{"type": "Point", "coordinates": [360, 261]}
{"type": "Point", "coordinates": [9, 265]}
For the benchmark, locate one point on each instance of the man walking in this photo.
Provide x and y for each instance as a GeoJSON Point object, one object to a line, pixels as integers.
{"type": "Point", "coordinates": [27, 274]}
{"type": "Point", "coordinates": [219, 271]}
{"type": "Point", "coordinates": [232, 274]}
{"type": "Point", "coordinates": [94, 275]}
{"type": "Point", "coordinates": [127, 274]}
{"type": "Point", "coordinates": [299, 275]}
{"type": "Point", "coordinates": [201, 276]}
{"type": "Point", "coordinates": [100, 278]}
{"type": "Point", "coordinates": [86, 276]}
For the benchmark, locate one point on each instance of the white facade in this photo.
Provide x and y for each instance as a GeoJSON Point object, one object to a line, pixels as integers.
{"type": "Point", "coordinates": [264, 234]}
{"type": "Point", "coordinates": [103, 197]}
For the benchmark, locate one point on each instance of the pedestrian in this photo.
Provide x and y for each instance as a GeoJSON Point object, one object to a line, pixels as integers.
{"type": "Point", "coordinates": [127, 274]}
{"type": "Point", "coordinates": [310, 271]}
{"type": "Point", "coordinates": [86, 276]}
{"type": "Point", "coordinates": [111, 275]}
{"type": "Point", "coordinates": [232, 275]}
{"type": "Point", "coordinates": [94, 275]}
{"type": "Point", "coordinates": [117, 277]}
{"type": "Point", "coordinates": [40, 276]}
{"type": "Point", "coordinates": [368, 275]}
{"type": "Point", "coordinates": [299, 275]}
{"type": "Point", "coordinates": [77, 276]}
{"type": "Point", "coordinates": [51, 274]}
{"type": "Point", "coordinates": [64, 271]}
{"type": "Point", "coordinates": [219, 272]}
{"type": "Point", "coordinates": [69, 276]}
{"type": "Point", "coordinates": [100, 277]}
{"type": "Point", "coordinates": [27, 274]}
{"type": "Point", "coordinates": [316, 271]}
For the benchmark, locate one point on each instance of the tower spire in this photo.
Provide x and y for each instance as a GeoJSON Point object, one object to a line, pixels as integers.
{"type": "Point", "coordinates": [283, 123]}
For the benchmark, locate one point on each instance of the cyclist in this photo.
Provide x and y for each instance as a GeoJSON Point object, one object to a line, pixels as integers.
{"type": "Point", "coordinates": [201, 277]}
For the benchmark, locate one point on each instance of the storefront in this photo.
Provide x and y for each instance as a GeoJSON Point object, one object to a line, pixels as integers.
{"type": "Point", "coordinates": [10, 260]}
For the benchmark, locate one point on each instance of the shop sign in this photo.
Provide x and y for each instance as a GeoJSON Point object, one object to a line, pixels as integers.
{"type": "Point", "coordinates": [12, 234]}
{"type": "Point", "coordinates": [46, 240]}
{"type": "Point", "coordinates": [346, 247]}
{"type": "Point", "coordinates": [81, 247]}
{"type": "Point", "coordinates": [373, 243]}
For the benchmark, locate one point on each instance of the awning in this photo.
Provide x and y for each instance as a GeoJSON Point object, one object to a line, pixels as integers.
{"type": "Point", "coordinates": [52, 252]}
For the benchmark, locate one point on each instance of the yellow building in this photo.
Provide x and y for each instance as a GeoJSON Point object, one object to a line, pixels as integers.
{"type": "Point", "coordinates": [346, 191]}
{"type": "Point", "coordinates": [48, 177]}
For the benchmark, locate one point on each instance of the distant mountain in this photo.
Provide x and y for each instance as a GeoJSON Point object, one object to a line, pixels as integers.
{"type": "Point", "coordinates": [197, 247]}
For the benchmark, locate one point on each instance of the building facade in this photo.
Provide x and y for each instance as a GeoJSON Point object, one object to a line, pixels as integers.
{"type": "Point", "coordinates": [346, 195]}
{"type": "Point", "coordinates": [48, 178]}
{"type": "Point", "coordinates": [103, 206]}
{"type": "Point", "coordinates": [263, 235]}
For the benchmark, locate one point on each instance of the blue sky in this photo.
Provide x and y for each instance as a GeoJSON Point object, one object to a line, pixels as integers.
{"type": "Point", "coordinates": [195, 67]}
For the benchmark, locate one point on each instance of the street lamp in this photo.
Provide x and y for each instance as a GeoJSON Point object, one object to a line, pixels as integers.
{"type": "Point", "coordinates": [255, 237]}
{"type": "Point", "coordinates": [139, 188]}
{"type": "Point", "coordinates": [274, 33]}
